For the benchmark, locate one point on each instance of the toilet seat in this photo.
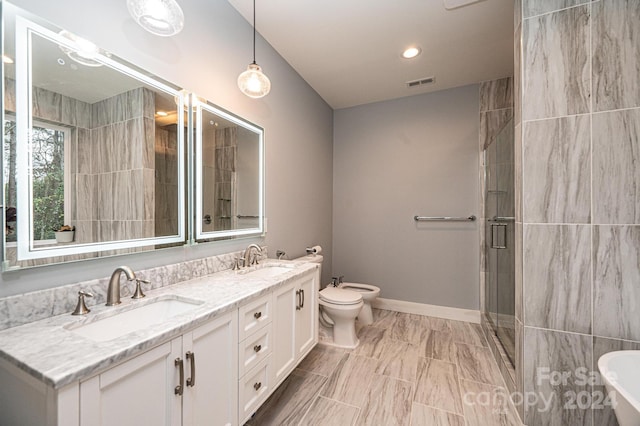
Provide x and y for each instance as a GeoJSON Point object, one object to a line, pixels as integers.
{"type": "Point", "coordinates": [364, 288]}
{"type": "Point", "coordinates": [340, 296]}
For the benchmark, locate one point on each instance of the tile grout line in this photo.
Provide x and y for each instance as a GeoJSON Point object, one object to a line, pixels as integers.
{"type": "Point", "coordinates": [436, 408]}
{"type": "Point", "coordinates": [575, 6]}
{"type": "Point", "coordinates": [591, 206]}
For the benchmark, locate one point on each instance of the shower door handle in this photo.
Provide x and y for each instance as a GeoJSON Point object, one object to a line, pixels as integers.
{"type": "Point", "coordinates": [499, 235]}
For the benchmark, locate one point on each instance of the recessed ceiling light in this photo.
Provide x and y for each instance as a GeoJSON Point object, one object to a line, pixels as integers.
{"type": "Point", "coordinates": [6, 59]}
{"type": "Point", "coordinates": [411, 52]}
{"type": "Point", "coordinates": [162, 113]}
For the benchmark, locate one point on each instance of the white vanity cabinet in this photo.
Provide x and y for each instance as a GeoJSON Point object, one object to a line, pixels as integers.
{"type": "Point", "coordinates": [191, 380]}
{"type": "Point", "coordinates": [219, 373]}
{"type": "Point", "coordinates": [295, 324]}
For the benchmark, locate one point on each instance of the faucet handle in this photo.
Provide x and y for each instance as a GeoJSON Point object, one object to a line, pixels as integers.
{"type": "Point", "coordinates": [138, 293]}
{"type": "Point", "coordinates": [81, 307]}
{"type": "Point", "coordinates": [334, 281]}
{"type": "Point", "coordinates": [236, 264]}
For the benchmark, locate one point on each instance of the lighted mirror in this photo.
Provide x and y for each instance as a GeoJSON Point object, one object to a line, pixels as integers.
{"type": "Point", "coordinates": [229, 174]}
{"type": "Point", "coordinates": [93, 150]}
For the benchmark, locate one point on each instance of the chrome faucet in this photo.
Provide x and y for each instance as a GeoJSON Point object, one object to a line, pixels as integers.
{"type": "Point", "coordinates": [113, 292]}
{"type": "Point", "coordinates": [247, 255]}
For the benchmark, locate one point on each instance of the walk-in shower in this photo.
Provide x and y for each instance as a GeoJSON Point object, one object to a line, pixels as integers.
{"type": "Point", "coordinates": [499, 236]}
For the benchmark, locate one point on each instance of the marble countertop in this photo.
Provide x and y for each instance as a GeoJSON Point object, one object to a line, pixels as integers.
{"type": "Point", "coordinates": [57, 356]}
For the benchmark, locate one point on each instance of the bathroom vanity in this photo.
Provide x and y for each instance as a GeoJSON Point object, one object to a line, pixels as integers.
{"type": "Point", "coordinates": [226, 343]}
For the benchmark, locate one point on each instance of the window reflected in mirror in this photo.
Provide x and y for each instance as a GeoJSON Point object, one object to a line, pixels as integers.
{"type": "Point", "coordinates": [93, 151]}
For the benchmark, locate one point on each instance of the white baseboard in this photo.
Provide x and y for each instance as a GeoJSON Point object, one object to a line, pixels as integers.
{"type": "Point", "coordinates": [429, 310]}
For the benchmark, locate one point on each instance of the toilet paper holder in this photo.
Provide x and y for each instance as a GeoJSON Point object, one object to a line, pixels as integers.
{"type": "Point", "coordinates": [314, 250]}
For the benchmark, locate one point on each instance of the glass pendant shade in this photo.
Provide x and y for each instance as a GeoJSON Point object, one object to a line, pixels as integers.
{"type": "Point", "coordinates": [159, 17]}
{"type": "Point", "coordinates": [253, 82]}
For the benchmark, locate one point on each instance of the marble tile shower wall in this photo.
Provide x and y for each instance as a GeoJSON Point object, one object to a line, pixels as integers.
{"type": "Point", "coordinates": [166, 181]}
{"type": "Point", "coordinates": [24, 308]}
{"type": "Point", "coordinates": [577, 114]}
{"type": "Point", "coordinates": [116, 170]}
{"type": "Point", "coordinates": [226, 142]}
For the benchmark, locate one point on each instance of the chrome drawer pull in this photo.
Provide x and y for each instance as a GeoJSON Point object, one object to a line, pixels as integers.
{"type": "Point", "coordinates": [257, 348]}
{"type": "Point", "coordinates": [257, 386]}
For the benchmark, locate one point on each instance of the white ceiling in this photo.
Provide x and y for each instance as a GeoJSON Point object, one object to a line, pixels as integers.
{"type": "Point", "coordinates": [349, 50]}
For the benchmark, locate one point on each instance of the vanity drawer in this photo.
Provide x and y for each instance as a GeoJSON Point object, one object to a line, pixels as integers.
{"type": "Point", "coordinates": [254, 349]}
{"type": "Point", "coordinates": [254, 389]}
{"type": "Point", "coordinates": [253, 316]}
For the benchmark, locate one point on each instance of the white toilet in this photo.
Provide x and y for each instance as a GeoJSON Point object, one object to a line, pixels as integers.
{"type": "Point", "coordinates": [339, 308]}
{"type": "Point", "coordinates": [369, 294]}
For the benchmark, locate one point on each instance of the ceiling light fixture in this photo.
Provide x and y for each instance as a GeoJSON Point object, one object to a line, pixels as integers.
{"type": "Point", "coordinates": [160, 17]}
{"type": "Point", "coordinates": [253, 82]}
{"type": "Point", "coordinates": [6, 59]}
{"type": "Point", "coordinates": [411, 52]}
{"type": "Point", "coordinates": [162, 113]}
{"type": "Point", "coordinates": [84, 54]}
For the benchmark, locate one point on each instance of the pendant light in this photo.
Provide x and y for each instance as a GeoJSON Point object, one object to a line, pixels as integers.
{"type": "Point", "coordinates": [159, 17]}
{"type": "Point", "coordinates": [253, 82]}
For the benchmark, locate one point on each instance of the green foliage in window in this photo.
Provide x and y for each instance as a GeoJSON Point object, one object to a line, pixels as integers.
{"type": "Point", "coordinates": [47, 178]}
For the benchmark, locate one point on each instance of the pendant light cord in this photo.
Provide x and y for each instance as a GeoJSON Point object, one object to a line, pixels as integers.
{"type": "Point", "coordinates": [254, 31]}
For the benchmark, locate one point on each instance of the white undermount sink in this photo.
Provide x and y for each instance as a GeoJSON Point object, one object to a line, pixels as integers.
{"type": "Point", "coordinates": [269, 271]}
{"type": "Point", "coordinates": [621, 374]}
{"type": "Point", "coordinates": [110, 325]}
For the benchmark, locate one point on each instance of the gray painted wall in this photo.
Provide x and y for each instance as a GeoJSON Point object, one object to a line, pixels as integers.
{"type": "Point", "coordinates": [400, 158]}
{"type": "Point", "coordinates": [206, 58]}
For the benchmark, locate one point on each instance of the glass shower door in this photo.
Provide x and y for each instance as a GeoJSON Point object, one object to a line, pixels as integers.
{"type": "Point", "coordinates": [500, 236]}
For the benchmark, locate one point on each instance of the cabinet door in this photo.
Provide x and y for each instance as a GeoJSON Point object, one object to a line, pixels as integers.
{"type": "Point", "coordinates": [284, 351]}
{"type": "Point", "coordinates": [306, 317]}
{"type": "Point", "coordinates": [211, 373]}
{"type": "Point", "coordinates": [137, 392]}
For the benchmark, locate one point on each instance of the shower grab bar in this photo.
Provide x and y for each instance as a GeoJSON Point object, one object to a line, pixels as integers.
{"type": "Point", "coordinates": [244, 216]}
{"type": "Point", "coordinates": [444, 218]}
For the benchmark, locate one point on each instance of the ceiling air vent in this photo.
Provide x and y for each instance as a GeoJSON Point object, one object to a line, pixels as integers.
{"type": "Point", "coordinates": [420, 82]}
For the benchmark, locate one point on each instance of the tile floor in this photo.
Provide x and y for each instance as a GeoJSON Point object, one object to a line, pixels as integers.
{"type": "Point", "coordinates": [408, 370]}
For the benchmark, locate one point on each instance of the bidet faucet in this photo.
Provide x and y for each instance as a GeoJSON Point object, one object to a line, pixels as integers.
{"type": "Point", "coordinates": [113, 292]}
{"type": "Point", "coordinates": [336, 281]}
{"type": "Point", "coordinates": [247, 255]}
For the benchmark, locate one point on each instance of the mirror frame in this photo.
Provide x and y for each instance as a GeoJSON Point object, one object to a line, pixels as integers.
{"type": "Point", "coordinates": [25, 29]}
{"type": "Point", "coordinates": [203, 236]}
